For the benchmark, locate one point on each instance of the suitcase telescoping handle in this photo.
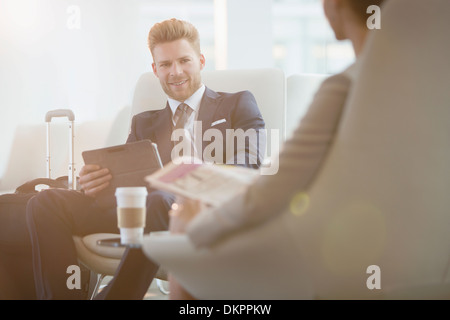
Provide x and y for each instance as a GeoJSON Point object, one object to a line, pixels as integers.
{"type": "Point", "coordinates": [48, 118]}
{"type": "Point", "coordinates": [58, 114]}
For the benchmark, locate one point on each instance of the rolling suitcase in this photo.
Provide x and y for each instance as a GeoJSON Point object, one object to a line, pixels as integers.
{"type": "Point", "coordinates": [16, 271]}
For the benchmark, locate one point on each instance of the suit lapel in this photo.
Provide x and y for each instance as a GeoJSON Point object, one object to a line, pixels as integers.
{"type": "Point", "coordinates": [163, 123]}
{"type": "Point", "coordinates": [163, 130]}
{"type": "Point", "coordinates": [207, 110]}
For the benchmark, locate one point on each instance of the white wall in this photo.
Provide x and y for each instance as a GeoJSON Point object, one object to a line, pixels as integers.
{"type": "Point", "coordinates": [249, 34]}
{"type": "Point", "coordinates": [44, 64]}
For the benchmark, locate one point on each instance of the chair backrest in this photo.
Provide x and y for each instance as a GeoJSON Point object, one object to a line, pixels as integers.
{"type": "Point", "coordinates": [300, 89]}
{"type": "Point", "coordinates": [382, 195]}
{"type": "Point", "coordinates": [267, 85]}
{"type": "Point", "coordinates": [380, 199]}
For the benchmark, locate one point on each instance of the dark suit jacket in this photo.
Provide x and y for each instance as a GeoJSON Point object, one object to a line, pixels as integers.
{"type": "Point", "coordinates": [238, 109]}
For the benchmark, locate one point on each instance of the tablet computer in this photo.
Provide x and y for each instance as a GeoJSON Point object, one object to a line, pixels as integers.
{"type": "Point", "coordinates": [128, 164]}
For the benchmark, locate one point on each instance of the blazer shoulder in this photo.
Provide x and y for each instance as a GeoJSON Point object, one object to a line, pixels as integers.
{"type": "Point", "coordinates": [147, 115]}
{"type": "Point", "coordinates": [236, 99]}
{"type": "Point", "coordinates": [239, 94]}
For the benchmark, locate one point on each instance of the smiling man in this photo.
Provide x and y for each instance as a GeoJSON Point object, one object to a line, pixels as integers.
{"type": "Point", "coordinates": [178, 62]}
{"type": "Point", "coordinates": [177, 65]}
{"type": "Point", "coordinates": [54, 216]}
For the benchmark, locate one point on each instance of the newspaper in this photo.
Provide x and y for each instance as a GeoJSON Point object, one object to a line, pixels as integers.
{"type": "Point", "coordinates": [213, 184]}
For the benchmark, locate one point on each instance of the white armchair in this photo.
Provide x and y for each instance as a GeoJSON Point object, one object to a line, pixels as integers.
{"type": "Point", "coordinates": [381, 197]}
{"type": "Point", "coordinates": [300, 89]}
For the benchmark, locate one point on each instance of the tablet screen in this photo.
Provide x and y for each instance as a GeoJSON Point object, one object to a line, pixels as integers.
{"type": "Point", "coordinates": [128, 164]}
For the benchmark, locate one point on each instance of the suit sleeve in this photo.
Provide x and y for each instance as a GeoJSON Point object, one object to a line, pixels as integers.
{"type": "Point", "coordinates": [247, 116]}
{"type": "Point", "coordinates": [299, 162]}
{"type": "Point", "coordinates": [132, 134]}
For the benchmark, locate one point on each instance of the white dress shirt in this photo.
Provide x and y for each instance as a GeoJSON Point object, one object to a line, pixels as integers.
{"type": "Point", "coordinates": [193, 102]}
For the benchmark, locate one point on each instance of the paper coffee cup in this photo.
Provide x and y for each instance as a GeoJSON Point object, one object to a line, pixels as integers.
{"type": "Point", "coordinates": [131, 213]}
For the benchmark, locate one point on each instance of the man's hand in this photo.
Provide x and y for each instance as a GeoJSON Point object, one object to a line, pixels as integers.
{"type": "Point", "coordinates": [94, 179]}
{"type": "Point", "coordinates": [183, 211]}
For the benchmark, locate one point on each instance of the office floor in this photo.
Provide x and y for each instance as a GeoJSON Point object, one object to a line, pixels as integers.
{"type": "Point", "coordinates": [153, 293]}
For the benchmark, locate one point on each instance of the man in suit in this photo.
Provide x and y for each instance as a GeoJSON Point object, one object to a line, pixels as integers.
{"type": "Point", "coordinates": [54, 216]}
{"type": "Point", "coordinates": [216, 110]}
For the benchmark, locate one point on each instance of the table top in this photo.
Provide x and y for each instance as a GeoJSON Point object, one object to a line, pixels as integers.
{"type": "Point", "coordinates": [115, 242]}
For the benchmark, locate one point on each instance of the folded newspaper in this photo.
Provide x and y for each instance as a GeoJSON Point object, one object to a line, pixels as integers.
{"type": "Point", "coordinates": [213, 184]}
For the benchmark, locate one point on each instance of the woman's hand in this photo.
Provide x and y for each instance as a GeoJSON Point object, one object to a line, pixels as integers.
{"type": "Point", "coordinates": [94, 179]}
{"type": "Point", "coordinates": [183, 211]}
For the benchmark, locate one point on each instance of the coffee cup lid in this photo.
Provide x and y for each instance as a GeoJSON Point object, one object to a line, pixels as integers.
{"type": "Point", "coordinates": [131, 191]}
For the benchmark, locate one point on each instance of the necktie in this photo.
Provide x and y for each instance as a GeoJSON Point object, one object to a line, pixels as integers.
{"type": "Point", "coordinates": [182, 115]}
{"type": "Point", "coordinates": [180, 118]}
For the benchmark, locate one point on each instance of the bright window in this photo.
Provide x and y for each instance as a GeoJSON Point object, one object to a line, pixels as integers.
{"type": "Point", "coordinates": [303, 40]}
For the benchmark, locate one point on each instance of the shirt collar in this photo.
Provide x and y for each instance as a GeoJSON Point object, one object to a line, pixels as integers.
{"type": "Point", "coordinates": [193, 101]}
